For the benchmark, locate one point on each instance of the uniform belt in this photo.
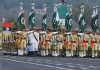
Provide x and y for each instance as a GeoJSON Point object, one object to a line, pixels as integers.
{"type": "Point", "coordinates": [47, 40]}
{"type": "Point", "coordinates": [59, 41]}
{"type": "Point", "coordinates": [73, 41]}
{"type": "Point", "coordinates": [93, 41]}
{"type": "Point", "coordinates": [85, 41]}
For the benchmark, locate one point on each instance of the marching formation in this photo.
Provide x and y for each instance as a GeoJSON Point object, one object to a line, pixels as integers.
{"type": "Point", "coordinates": [54, 43]}
{"type": "Point", "coordinates": [63, 40]}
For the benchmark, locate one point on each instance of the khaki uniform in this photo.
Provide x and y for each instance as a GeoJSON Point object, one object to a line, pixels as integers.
{"type": "Point", "coordinates": [48, 42]}
{"type": "Point", "coordinates": [6, 42]}
{"type": "Point", "coordinates": [80, 45]}
{"type": "Point", "coordinates": [0, 40]}
{"type": "Point", "coordinates": [60, 39]}
{"type": "Point", "coordinates": [98, 44]}
{"type": "Point", "coordinates": [42, 43]}
{"type": "Point", "coordinates": [86, 39]}
{"type": "Point", "coordinates": [55, 47]}
{"type": "Point", "coordinates": [74, 40]}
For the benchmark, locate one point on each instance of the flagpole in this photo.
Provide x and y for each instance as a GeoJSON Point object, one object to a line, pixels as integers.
{"type": "Point", "coordinates": [21, 7]}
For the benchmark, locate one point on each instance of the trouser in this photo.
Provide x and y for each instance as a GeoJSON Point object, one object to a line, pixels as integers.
{"type": "Point", "coordinates": [73, 49]}
{"type": "Point", "coordinates": [81, 52]}
{"type": "Point", "coordinates": [94, 50]}
{"type": "Point", "coordinates": [55, 50]}
{"type": "Point", "coordinates": [60, 48]}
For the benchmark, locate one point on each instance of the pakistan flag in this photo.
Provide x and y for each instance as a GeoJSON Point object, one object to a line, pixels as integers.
{"type": "Point", "coordinates": [31, 20]}
{"type": "Point", "coordinates": [44, 24]}
{"type": "Point", "coordinates": [21, 21]}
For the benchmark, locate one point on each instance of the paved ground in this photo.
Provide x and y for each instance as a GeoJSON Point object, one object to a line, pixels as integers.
{"type": "Point", "coordinates": [48, 63]}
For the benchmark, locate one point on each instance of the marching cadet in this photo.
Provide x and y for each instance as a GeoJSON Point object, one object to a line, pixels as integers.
{"type": "Point", "coordinates": [54, 44]}
{"type": "Point", "coordinates": [60, 39]}
{"type": "Point", "coordinates": [74, 39]}
{"type": "Point", "coordinates": [0, 39]}
{"type": "Point", "coordinates": [80, 44]}
{"type": "Point", "coordinates": [24, 40]}
{"type": "Point", "coordinates": [86, 39]}
{"type": "Point", "coordinates": [93, 44]}
{"type": "Point", "coordinates": [19, 43]}
{"type": "Point", "coordinates": [48, 42]}
{"type": "Point", "coordinates": [98, 44]}
{"type": "Point", "coordinates": [66, 44]}
{"type": "Point", "coordinates": [42, 43]}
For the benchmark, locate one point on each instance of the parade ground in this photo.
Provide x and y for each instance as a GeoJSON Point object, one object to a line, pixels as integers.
{"type": "Point", "coordinates": [48, 63]}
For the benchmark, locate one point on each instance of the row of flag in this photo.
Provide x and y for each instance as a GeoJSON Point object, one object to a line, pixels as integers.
{"type": "Point", "coordinates": [55, 20]}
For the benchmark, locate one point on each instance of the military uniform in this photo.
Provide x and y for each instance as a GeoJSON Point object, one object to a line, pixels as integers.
{"type": "Point", "coordinates": [85, 44]}
{"type": "Point", "coordinates": [80, 45]}
{"type": "Point", "coordinates": [42, 43]}
{"type": "Point", "coordinates": [54, 44]}
{"type": "Point", "coordinates": [73, 45]}
{"type": "Point", "coordinates": [48, 42]}
{"type": "Point", "coordinates": [67, 44]}
{"type": "Point", "coordinates": [60, 39]}
{"type": "Point", "coordinates": [99, 45]}
{"type": "Point", "coordinates": [24, 40]}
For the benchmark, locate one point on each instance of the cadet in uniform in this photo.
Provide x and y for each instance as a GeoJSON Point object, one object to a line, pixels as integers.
{"type": "Point", "coordinates": [23, 40]}
{"type": "Point", "coordinates": [66, 43]}
{"type": "Point", "coordinates": [74, 40]}
{"type": "Point", "coordinates": [85, 44]}
{"type": "Point", "coordinates": [80, 45]}
{"type": "Point", "coordinates": [42, 42]}
{"type": "Point", "coordinates": [60, 39]}
{"type": "Point", "coordinates": [98, 44]}
{"type": "Point", "coordinates": [54, 44]}
{"type": "Point", "coordinates": [48, 42]}
{"type": "Point", "coordinates": [94, 47]}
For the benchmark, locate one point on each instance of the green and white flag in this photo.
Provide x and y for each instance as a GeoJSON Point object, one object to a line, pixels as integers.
{"type": "Point", "coordinates": [55, 19]}
{"type": "Point", "coordinates": [68, 20]}
{"type": "Point", "coordinates": [44, 23]}
{"type": "Point", "coordinates": [94, 19]}
{"type": "Point", "coordinates": [81, 20]}
{"type": "Point", "coordinates": [31, 20]}
{"type": "Point", "coordinates": [21, 21]}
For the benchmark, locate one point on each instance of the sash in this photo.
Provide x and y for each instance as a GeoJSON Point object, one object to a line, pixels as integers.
{"type": "Point", "coordinates": [35, 38]}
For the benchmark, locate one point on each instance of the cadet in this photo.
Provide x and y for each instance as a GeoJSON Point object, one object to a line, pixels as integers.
{"type": "Point", "coordinates": [74, 39]}
{"type": "Point", "coordinates": [93, 44]}
{"type": "Point", "coordinates": [60, 40]}
{"type": "Point", "coordinates": [66, 44]}
{"type": "Point", "coordinates": [48, 42]}
{"type": "Point", "coordinates": [42, 43]}
{"type": "Point", "coordinates": [24, 39]}
{"type": "Point", "coordinates": [85, 43]}
{"type": "Point", "coordinates": [99, 44]}
{"type": "Point", "coordinates": [54, 44]}
{"type": "Point", "coordinates": [80, 44]}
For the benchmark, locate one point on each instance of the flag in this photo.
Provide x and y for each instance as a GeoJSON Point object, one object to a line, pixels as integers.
{"type": "Point", "coordinates": [44, 23]}
{"type": "Point", "coordinates": [55, 19]}
{"type": "Point", "coordinates": [31, 20]}
{"type": "Point", "coordinates": [68, 20]}
{"type": "Point", "coordinates": [81, 21]}
{"type": "Point", "coordinates": [94, 20]}
{"type": "Point", "coordinates": [21, 21]}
